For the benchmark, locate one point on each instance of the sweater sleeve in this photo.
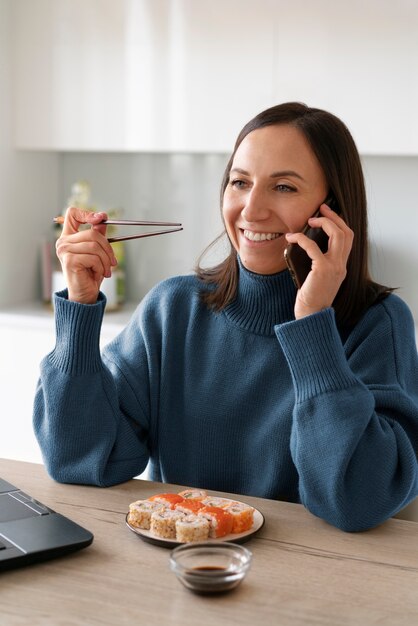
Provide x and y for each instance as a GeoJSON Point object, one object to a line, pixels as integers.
{"type": "Point", "coordinates": [355, 421]}
{"type": "Point", "coordinates": [90, 424]}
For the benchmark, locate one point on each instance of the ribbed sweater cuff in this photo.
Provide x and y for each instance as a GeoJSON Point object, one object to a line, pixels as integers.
{"type": "Point", "coordinates": [315, 354]}
{"type": "Point", "coordinates": [77, 348]}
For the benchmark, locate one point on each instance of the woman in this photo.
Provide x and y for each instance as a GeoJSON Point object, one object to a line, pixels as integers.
{"type": "Point", "coordinates": [231, 379]}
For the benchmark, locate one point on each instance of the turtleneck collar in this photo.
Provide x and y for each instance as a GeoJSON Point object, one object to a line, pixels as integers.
{"type": "Point", "coordinates": [262, 301]}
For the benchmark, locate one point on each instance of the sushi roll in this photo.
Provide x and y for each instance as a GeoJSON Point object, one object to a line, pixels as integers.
{"type": "Point", "coordinates": [220, 520]}
{"type": "Point", "coordinates": [243, 516]}
{"type": "Point", "coordinates": [192, 528]}
{"type": "Point", "coordinates": [168, 499]}
{"type": "Point", "coordinates": [222, 503]}
{"type": "Point", "coordinates": [140, 513]}
{"type": "Point", "coordinates": [163, 523]}
{"type": "Point", "coordinates": [189, 506]}
{"type": "Point", "coordinates": [193, 494]}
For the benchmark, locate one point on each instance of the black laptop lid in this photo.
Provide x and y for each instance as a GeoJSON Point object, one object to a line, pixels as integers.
{"type": "Point", "coordinates": [30, 531]}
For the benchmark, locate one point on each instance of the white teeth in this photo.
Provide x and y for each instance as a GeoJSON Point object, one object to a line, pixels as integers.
{"type": "Point", "coordinates": [249, 234]}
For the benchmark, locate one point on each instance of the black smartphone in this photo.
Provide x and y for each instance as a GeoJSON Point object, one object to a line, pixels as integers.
{"type": "Point", "coordinates": [298, 262]}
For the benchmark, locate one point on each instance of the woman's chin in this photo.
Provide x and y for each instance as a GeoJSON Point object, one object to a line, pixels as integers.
{"type": "Point", "coordinates": [260, 266]}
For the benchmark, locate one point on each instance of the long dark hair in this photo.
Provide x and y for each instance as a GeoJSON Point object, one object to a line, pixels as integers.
{"type": "Point", "coordinates": [334, 147]}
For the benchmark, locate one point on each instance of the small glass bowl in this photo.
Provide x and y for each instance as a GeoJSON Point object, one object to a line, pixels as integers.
{"type": "Point", "coordinates": [210, 567]}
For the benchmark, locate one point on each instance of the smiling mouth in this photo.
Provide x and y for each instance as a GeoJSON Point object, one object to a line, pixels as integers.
{"type": "Point", "coordinates": [252, 236]}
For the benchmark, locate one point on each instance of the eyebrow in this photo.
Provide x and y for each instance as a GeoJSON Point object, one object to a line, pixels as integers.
{"type": "Point", "coordinates": [273, 175]}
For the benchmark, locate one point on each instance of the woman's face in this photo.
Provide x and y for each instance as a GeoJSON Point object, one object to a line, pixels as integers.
{"type": "Point", "coordinates": [275, 185]}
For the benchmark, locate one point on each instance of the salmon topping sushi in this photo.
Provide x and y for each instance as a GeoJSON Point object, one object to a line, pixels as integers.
{"type": "Point", "coordinates": [220, 520]}
{"type": "Point", "coordinates": [189, 506]}
{"type": "Point", "coordinates": [243, 516]}
{"type": "Point", "coordinates": [168, 499]}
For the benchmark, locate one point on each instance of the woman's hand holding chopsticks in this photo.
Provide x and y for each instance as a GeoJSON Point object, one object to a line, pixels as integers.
{"type": "Point", "coordinates": [86, 256]}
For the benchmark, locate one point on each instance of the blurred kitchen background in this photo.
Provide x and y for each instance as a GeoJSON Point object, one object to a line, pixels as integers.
{"type": "Point", "coordinates": [143, 100]}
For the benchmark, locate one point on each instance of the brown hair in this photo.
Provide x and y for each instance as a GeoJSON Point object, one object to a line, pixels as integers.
{"type": "Point", "coordinates": [334, 147]}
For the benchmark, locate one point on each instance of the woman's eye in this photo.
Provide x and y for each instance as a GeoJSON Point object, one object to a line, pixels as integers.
{"type": "Point", "coordinates": [237, 183]}
{"type": "Point", "coordinates": [284, 188]}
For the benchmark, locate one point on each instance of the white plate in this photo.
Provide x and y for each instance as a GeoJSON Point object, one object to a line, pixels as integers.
{"type": "Point", "coordinates": [148, 536]}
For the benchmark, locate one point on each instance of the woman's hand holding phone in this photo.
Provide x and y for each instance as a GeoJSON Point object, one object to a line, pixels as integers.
{"type": "Point", "coordinates": [329, 268]}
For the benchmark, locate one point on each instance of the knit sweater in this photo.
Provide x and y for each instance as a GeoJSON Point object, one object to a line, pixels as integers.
{"type": "Point", "coordinates": [247, 400]}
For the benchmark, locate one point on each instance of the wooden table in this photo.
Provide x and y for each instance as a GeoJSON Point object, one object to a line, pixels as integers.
{"type": "Point", "coordinates": [304, 571]}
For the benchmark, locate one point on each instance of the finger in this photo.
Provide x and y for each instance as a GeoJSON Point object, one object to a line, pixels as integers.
{"type": "Point", "coordinates": [327, 212]}
{"type": "Point", "coordinates": [309, 245]}
{"type": "Point", "coordinates": [95, 266]}
{"type": "Point", "coordinates": [84, 261]}
{"type": "Point", "coordinates": [328, 226]}
{"type": "Point", "coordinates": [86, 242]}
{"type": "Point", "coordinates": [78, 244]}
{"type": "Point", "coordinates": [97, 225]}
{"type": "Point", "coordinates": [340, 235]}
{"type": "Point", "coordinates": [75, 217]}
{"type": "Point", "coordinates": [94, 234]}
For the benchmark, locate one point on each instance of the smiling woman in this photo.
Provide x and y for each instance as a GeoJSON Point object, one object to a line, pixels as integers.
{"type": "Point", "coordinates": [231, 379]}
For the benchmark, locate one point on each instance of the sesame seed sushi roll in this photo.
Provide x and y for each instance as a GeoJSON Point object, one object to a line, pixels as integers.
{"type": "Point", "coordinates": [243, 516]}
{"type": "Point", "coordinates": [222, 503]}
{"type": "Point", "coordinates": [219, 519]}
{"type": "Point", "coordinates": [163, 523]}
{"type": "Point", "coordinates": [140, 513]}
{"type": "Point", "coordinates": [168, 499]}
{"type": "Point", "coordinates": [193, 494]}
{"type": "Point", "coordinates": [192, 528]}
{"type": "Point", "coordinates": [189, 506]}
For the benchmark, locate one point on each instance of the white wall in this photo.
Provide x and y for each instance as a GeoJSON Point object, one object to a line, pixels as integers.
{"type": "Point", "coordinates": [393, 220]}
{"type": "Point", "coordinates": [28, 189]}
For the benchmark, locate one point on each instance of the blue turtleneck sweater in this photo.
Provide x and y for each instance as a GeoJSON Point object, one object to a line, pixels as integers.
{"type": "Point", "coordinates": [248, 400]}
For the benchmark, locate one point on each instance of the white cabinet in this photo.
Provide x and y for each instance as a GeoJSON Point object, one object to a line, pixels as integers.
{"type": "Point", "coordinates": [26, 336]}
{"type": "Point", "coordinates": [23, 347]}
{"type": "Point", "coordinates": [358, 60]}
{"type": "Point", "coordinates": [68, 81]}
{"type": "Point", "coordinates": [185, 75]}
{"type": "Point", "coordinates": [140, 75]}
{"type": "Point", "coordinates": [197, 71]}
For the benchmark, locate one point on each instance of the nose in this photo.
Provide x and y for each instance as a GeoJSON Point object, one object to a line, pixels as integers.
{"type": "Point", "coordinates": [255, 206]}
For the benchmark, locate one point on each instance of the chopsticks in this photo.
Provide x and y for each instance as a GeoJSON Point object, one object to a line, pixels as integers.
{"type": "Point", "coordinates": [60, 220]}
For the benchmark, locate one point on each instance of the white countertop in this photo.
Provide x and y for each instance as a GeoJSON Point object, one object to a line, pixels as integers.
{"type": "Point", "coordinates": [38, 315]}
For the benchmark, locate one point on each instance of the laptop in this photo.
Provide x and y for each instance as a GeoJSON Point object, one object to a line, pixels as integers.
{"type": "Point", "coordinates": [30, 531]}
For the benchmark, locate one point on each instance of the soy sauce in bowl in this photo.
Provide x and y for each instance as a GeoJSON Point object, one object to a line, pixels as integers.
{"type": "Point", "coordinates": [209, 567]}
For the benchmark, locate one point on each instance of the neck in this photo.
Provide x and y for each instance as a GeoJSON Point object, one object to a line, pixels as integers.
{"type": "Point", "coordinates": [262, 301]}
